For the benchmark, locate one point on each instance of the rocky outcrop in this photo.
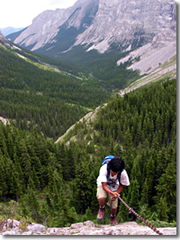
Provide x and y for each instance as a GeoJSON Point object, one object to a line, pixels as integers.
{"type": "Point", "coordinates": [129, 23]}
{"type": "Point", "coordinates": [13, 227]}
{"type": "Point", "coordinates": [150, 57]}
{"type": "Point", "coordinates": [3, 120]}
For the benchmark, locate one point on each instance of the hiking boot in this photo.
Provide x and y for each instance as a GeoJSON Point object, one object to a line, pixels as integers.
{"type": "Point", "coordinates": [101, 213]}
{"type": "Point", "coordinates": [113, 220]}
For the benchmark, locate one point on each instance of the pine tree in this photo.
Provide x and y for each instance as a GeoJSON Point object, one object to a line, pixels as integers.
{"type": "Point", "coordinates": [82, 196]}
{"type": "Point", "coordinates": [162, 209]}
{"type": "Point", "coordinates": [166, 189]}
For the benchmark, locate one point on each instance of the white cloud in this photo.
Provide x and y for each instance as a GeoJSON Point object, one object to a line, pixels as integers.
{"type": "Point", "coordinates": [19, 13]}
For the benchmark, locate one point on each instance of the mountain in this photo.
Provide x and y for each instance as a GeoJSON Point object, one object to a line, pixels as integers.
{"type": "Point", "coordinates": [100, 29]}
{"type": "Point", "coordinates": [49, 24]}
{"type": "Point", "coordinates": [8, 30]}
{"type": "Point", "coordinates": [99, 24]}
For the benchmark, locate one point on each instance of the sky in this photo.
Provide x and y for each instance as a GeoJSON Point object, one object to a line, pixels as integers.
{"type": "Point", "coordinates": [20, 13]}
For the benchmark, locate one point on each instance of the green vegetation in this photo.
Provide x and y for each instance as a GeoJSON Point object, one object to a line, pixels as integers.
{"type": "Point", "coordinates": [102, 66]}
{"type": "Point", "coordinates": [37, 96]}
{"type": "Point", "coordinates": [55, 184]}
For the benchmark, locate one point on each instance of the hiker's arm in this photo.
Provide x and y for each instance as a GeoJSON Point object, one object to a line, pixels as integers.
{"type": "Point", "coordinates": [105, 187]}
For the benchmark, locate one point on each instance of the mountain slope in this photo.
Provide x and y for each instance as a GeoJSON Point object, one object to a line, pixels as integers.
{"type": "Point", "coordinates": [95, 35]}
{"type": "Point", "coordinates": [140, 127]}
{"type": "Point", "coordinates": [164, 72]}
{"type": "Point", "coordinates": [37, 95]}
{"type": "Point", "coordinates": [49, 24]}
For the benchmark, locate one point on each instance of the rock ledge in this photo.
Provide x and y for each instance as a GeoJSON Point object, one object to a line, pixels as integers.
{"type": "Point", "coordinates": [12, 227]}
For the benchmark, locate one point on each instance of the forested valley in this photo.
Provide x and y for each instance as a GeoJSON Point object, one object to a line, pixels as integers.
{"type": "Point", "coordinates": [36, 96]}
{"type": "Point", "coordinates": [55, 184]}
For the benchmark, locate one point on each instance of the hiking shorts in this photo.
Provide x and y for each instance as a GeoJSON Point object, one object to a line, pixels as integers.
{"type": "Point", "coordinates": [101, 193]}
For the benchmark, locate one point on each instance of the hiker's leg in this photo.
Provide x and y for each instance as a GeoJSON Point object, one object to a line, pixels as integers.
{"type": "Point", "coordinates": [101, 202]}
{"type": "Point", "coordinates": [113, 205]}
{"type": "Point", "coordinates": [101, 196]}
{"type": "Point", "coordinates": [113, 211]}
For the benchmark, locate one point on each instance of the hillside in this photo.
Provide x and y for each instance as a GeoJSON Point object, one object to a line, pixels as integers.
{"type": "Point", "coordinates": [140, 127]}
{"type": "Point", "coordinates": [37, 95]}
{"type": "Point", "coordinates": [165, 71]}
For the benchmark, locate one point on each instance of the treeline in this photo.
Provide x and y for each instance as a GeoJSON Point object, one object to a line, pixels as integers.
{"type": "Point", "coordinates": [56, 184]}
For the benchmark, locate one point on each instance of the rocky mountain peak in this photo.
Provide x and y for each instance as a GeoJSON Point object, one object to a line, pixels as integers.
{"type": "Point", "coordinates": [46, 25]}
{"type": "Point", "coordinates": [104, 25]}
{"type": "Point", "coordinates": [128, 24]}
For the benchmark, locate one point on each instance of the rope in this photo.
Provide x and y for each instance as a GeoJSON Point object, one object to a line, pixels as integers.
{"type": "Point", "coordinates": [142, 219]}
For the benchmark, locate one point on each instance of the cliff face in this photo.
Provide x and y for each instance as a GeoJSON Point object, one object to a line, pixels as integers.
{"type": "Point", "coordinates": [103, 23]}
{"type": "Point", "coordinates": [46, 26]}
{"type": "Point", "coordinates": [129, 23]}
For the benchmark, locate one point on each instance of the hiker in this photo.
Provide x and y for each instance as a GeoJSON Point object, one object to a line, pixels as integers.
{"type": "Point", "coordinates": [109, 186]}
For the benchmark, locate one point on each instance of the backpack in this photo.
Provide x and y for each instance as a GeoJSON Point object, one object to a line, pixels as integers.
{"type": "Point", "coordinates": [106, 160]}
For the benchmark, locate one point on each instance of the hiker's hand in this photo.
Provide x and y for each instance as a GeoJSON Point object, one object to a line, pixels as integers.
{"type": "Point", "coordinates": [113, 199]}
{"type": "Point", "coordinates": [115, 195]}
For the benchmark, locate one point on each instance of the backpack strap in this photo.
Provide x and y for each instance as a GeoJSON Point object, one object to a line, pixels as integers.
{"type": "Point", "coordinates": [108, 175]}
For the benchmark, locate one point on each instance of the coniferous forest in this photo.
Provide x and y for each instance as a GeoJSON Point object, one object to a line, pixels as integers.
{"type": "Point", "coordinates": [55, 184]}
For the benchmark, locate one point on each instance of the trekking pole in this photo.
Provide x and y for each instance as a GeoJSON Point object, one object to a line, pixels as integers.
{"type": "Point", "coordinates": [137, 215]}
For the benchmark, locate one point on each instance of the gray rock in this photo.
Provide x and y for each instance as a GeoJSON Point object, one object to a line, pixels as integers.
{"type": "Point", "coordinates": [85, 228]}
{"type": "Point", "coordinates": [89, 228]}
{"type": "Point", "coordinates": [120, 22]}
{"type": "Point", "coordinates": [36, 228]}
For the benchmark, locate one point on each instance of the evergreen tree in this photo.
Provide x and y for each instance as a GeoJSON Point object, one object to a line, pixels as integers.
{"type": "Point", "coordinates": [162, 209]}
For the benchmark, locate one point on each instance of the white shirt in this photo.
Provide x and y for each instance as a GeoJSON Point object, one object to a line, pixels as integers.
{"type": "Point", "coordinates": [124, 179]}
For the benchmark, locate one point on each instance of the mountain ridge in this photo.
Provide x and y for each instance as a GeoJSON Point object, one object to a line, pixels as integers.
{"type": "Point", "coordinates": [102, 26]}
{"type": "Point", "coordinates": [9, 30]}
